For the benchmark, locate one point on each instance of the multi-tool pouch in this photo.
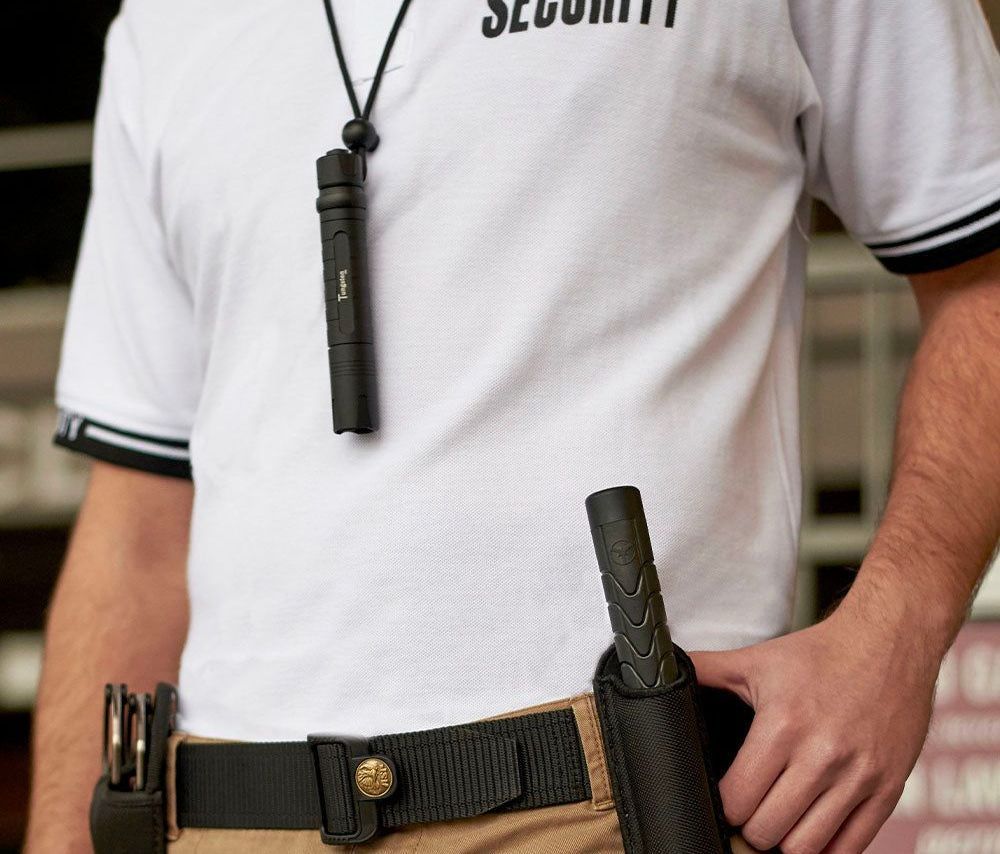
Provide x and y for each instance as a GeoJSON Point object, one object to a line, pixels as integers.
{"type": "Point", "coordinates": [660, 757]}
{"type": "Point", "coordinates": [125, 819]}
{"type": "Point", "coordinates": [124, 822]}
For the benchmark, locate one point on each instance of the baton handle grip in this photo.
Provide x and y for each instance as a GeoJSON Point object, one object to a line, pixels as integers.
{"type": "Point", "coordinates": [631, 587]}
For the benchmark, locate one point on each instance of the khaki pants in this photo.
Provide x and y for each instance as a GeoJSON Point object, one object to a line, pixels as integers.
{"type": "Point", "coordinates": [588, 827]}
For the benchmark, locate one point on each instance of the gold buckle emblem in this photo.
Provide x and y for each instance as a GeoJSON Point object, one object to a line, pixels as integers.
{"type": "Point", "coordinates": [373, 777]}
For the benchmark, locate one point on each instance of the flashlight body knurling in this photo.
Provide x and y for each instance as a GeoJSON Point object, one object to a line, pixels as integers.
{"type": "Point", "coordinates": [343, 210]}
{"type": "Point", "coordinates": [631, 587]}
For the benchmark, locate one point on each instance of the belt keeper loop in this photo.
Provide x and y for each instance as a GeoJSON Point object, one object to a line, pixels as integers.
{"type": "Point", "coordinates": [369, 778]}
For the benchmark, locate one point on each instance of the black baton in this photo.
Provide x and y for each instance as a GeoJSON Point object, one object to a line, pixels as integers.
{"type": "Point", "coordinates": [631, 587]}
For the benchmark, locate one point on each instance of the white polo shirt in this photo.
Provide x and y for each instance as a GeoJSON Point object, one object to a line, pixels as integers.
{"type": "Point", "coordinates": [587, 251]}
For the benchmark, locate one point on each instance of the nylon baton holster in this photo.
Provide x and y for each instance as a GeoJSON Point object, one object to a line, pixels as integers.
{"type": "Point", "coordinates": [664, 773]}
{"type": "Point", "coordinates": [124, 821]}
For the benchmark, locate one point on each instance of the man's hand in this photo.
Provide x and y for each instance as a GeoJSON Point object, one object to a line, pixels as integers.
{"type": "Point", "coordinates": [842, 712]}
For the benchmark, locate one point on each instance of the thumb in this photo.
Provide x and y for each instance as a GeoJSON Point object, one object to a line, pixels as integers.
{"type": "Point", "coordinates": [728, 669]}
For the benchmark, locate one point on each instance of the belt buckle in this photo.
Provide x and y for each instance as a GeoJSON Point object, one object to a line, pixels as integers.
{"type": "Point", "coordinates": [370, 778]}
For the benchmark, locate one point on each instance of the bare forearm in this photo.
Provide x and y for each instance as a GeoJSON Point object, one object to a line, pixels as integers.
{"type": "Point", "coordinates": [842, 707]}
{"type": "Point", "coordinates": [119, 614]}
{"type": "Point", "coordinates": [942, 519]}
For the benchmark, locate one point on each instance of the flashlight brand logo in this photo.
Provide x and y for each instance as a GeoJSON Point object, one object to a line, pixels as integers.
{"type": "Point", "coordinates": [623, 552]}
{"type": "Point", "coordinates": [515, 16]}
{"type": "Point", "coordinates": [342, 283]}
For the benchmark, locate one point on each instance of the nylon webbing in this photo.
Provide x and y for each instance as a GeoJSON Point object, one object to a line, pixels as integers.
{"type": "Point", "coordinates": [454, 772]}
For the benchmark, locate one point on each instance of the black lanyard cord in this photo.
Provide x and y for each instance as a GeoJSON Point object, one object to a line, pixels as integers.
{"type": "Point", "coordinates": [343, 214]}
{"type": "Point", "coordinates": [363, 136]}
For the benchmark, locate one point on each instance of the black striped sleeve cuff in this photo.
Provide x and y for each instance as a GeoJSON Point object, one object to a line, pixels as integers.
{"type": "Point", "coordinates": [170, 457]}
{"type": "Point", "coordinates": [959, 241]}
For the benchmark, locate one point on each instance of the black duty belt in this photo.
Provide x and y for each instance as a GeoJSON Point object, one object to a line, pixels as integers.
{"type": "Point", "coordinates": [350, 787]}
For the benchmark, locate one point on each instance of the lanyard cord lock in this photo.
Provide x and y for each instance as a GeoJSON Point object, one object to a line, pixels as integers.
{"type": "Point", "coordinates": [360, 135]}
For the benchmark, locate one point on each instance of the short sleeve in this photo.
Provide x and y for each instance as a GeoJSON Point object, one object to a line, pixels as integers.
{"type": "Point", "coordinates": [128, 380]}
{"type": "Point", "coordinates": [902, 125]}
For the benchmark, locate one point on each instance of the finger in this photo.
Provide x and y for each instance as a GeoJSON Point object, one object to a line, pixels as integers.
{"type": "Point", "coordinates": [741, 846]}
{"type": "Point", "coordinates": [824, 818]}
{"type": "Point", "coordinates": [785, 803]}
{"type": "Point", "coordinates": [864, 823]}
{"type": "Point", "coordinates": [729, 669]}
{"type": "Point", "coordinates": [761, 759]}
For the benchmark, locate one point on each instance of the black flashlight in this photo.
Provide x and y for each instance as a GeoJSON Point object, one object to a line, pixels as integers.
{"type": "Point", "coordinates": [342, 207]}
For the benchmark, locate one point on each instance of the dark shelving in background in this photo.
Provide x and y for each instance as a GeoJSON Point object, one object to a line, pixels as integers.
{"type": "Point", "coordinates": [40, 222]}
{"type": "Point", "coordinates": [50, 59]}
{"type": "Point", "coordinates": [50, 64]}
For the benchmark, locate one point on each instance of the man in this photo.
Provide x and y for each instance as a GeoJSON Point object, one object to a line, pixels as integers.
{"type": "Point", "coordinates": [587, 251]}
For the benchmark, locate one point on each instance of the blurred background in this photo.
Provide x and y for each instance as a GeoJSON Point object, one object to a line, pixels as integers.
{"type": "Point", "coordinates": [860, 329]}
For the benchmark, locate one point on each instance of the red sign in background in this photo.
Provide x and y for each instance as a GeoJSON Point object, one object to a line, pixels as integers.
{"type": "Point", "coordinates": [952, 800]}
